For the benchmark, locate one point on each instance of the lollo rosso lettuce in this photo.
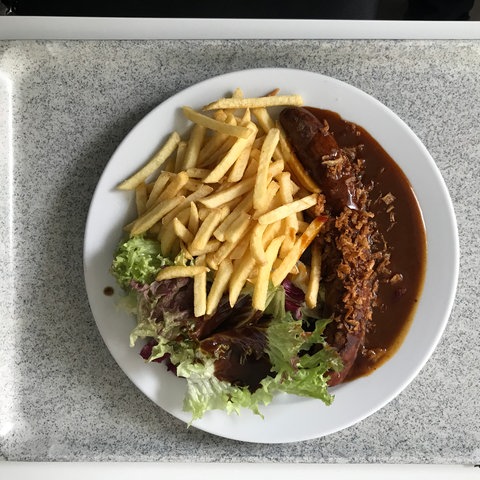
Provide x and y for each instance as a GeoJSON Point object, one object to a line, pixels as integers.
{"type": "Point", "coordinates": [235, 358]}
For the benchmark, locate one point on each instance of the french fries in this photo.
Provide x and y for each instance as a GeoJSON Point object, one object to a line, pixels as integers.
{"type": "Point", "coordinates": [261, 180]}
{"type": "Point", "coordinates": [200, 289]}
{"type": "Point", "coordinates": [263, 276]}
{"type": "Point", "coordinates": [234, 199]}
{"type": "Point", "coordinates": [288, 209]}
{"type": "Point", "coordinates": [258, 102]}
{"type": "Point", "coordinates": [314, 278]}
{"type": "Point", "coordinates": [167, 273]}
{"type": "Point", "coordinates": [219, 285]}
{"type": "Point", "coordinates": [218, 126]}
{"type": "Point", "coordinates": [307, 237]}
{"type": "Point", "coordinates": [153, 164]}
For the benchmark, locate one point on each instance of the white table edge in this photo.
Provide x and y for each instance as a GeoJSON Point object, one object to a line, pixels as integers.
{"type": "Point", "coordinates": [108, 28]}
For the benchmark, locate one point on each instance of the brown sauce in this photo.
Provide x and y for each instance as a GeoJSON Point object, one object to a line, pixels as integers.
{"type": "Point", "coordinates": [108, 291]}
{"type": "Point", "coordinates": [405, 237]}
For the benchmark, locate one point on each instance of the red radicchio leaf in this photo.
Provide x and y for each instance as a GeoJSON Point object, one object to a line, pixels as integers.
{"type": "Point", "coordinates": [146, 352]}
{"type": "Point", "coordinates": [294, 298]}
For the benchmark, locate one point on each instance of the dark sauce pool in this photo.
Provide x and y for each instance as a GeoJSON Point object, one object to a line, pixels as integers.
{"type": "Point", "coordinates": [405, 237]}
{"type": "Point", "coordinates": [108, 291]}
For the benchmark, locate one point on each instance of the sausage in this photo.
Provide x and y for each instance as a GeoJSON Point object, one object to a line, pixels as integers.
{"type": "Point", "coordinates": [318, 151]}
{"type": "Point", "coordinates": [347, 258]}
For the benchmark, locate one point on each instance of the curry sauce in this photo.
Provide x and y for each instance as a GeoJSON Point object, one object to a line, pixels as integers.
{"type": "Point", "coordinates": [399, 220]}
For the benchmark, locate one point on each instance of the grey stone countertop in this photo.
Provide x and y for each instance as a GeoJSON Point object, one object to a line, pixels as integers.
{"type": "Point", "coordinates": [72, 102]}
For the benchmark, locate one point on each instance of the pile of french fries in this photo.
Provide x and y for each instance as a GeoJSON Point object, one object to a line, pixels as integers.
{"type": "Point", "coordinates": [231, 197]}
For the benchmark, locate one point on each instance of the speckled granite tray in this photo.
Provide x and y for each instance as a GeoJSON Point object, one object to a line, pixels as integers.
{"type": "Point", "coordinates": [64, 107]}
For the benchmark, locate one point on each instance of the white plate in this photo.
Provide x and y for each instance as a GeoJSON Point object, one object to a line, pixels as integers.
{"type": "Point", "coordinates": [288, 418]}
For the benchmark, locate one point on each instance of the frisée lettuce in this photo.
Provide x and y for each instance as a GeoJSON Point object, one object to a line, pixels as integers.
{"type": "Point", "coordinates": [284, 343]}
{"type": "Point", "coordinates": [138, 259]}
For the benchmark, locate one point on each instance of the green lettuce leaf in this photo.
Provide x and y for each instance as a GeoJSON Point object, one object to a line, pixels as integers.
{"type": "Point", "coordinates": [300, 370]}
{"type": "Point", "coordinates": [138, 259]}
{"type": "Point", "coordinates": [206, 392]}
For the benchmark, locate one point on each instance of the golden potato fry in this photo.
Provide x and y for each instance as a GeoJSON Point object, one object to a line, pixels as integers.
{"type": "Point", "coordinates": [241, 247]}
{"type": "Point", "coordinates": [229, 159]}
{"type": "Point", "coordinates": [295, 166]}
{"type": "Point", "coordinates": [182, 148]}
{"type": "Point", "coordinates": [193, 220]}
{"type": "Point", "coordinates": [264, 119]}
{"type": "Point", "coordinates": [290, 222]}
{"type": "Point", "coordinates": [275, 91]}
{"type": "Point", "coordinates": [288, 209]}
{"type": "Point", "coordinates": [256, 244]}
{"type": "Point", "coordinates": [301, 277]}
{"type": "Point", "coordinates": [203, 191]}
{"type": "Point", "coordinates": [244, 206]}
{"type": "Point", "coordinates": [182, 231]}
{"type": "Point", "coordinates": [293, 271]}
{"type": "Point", "coordinates": [203, 213]}
{"type": "Point", "coordinates": [206, 230]}
{"type": "Point", "coordinates": [216, 139]}
{"type": "Point", "coordinates": [192, 185]}
{"type": "Point", "coordinates": [261, 180]}
{"type": "Point", "coordinates": [279, 274]}
{"type": "Point", "coordinates": [153, 164]}
{"type": "Point", "coordinates": [237, 228]}
{"type": "Point", "coordinates": [177, 182]}
{"type": "Point", "coordinates": [158, 187]}
{"type": "Point", "coordinates": [168, 241]}
{"type": "Point", "coordinates": [184, 250]}
{"type": "Point", "coordinates": [212, 145]}
{"type": "Point", "coordinates": [271, 232]}
{"type": "Point", "coordinates": [236, 190]}
{"type": "Point", "coordinates": [260, 289]}
{"type": "Point", "coordinates": [175, 271]}
{"type": "Point", "coordinates": [212, 124]}
{"type": "Point", "coordinates": [194, 145]}
{"type": "Point", "coordinates": [182, 216]}
{"type": "Point", "coordinates": [199, 173]}
{"type": "Point", "coordinates": [237, 93]}
{"type": "Point", "coordinates": [266, 124]}
{"type": "Point", "coordinates": [220, 115]}
{"type": "Point", "coordinates": [259, 141]}
{"type": "Point", "coordinates": [290, 235]}
{"type": "Point", "coordinates": [246, 118]}
{"type": "Point", "coordinates": [295, 188]}
{"type": "Point", "coordinates": [219, 285]}
{"type": "Point", "coordinates": [270, 200]}
{"type": "Point", "coordinates": [216, 156]}
{"type": "Point", "coordinates": [239, 167]}
{"type": "Point", "coordinates": [211, 246]}
{"type": "Point", "coordinates": [232, 250]}
{"type": "Point", "coordinates": [275, 168]}
{"type": "Point", "coordinates": [200, 289]}
{"type": "Point", "coordinates": [149, 218]}
{"type": "Point", "coordinates": [141, 198]}
{"type": "Point", "coordinates": [286, 186]}
{"type": "Point", "coordinates": [311, 295]}
{"type": "Point", "coordinates": [241, 271]}
{"type": "Point", "coordinates": [256, 102]}
{"type": "Point", "coordinates": [252, 164]}
{"type": "Point", "coordinates": [215, 258]}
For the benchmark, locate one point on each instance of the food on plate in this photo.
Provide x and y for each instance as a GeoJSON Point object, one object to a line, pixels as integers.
{"type": "Point", "coordinates": [256, 262]}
